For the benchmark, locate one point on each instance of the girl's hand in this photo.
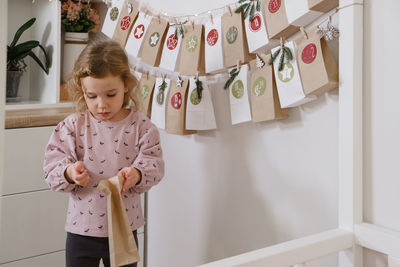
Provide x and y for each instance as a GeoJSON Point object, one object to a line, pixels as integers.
{"type": "Point", "coordinates": [131, 177]}
{"type": "Point", "coordinates": [77, 174]}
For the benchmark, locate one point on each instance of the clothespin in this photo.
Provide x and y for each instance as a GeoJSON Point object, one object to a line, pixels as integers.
{"type": "Point", "coordinates": [211, 17]}
{"type": "Point", "coordinates": [238, 64]}
{"type": "Point", "coordinates": [281, 39]}
{"type": "Point", "coordinates": [230, 10]}
{"type": "Point", "coordinates": [163, 76]}
{"type": "Point", "coordinates": [159, 19]}
{"type": "Point", "coordinates": [147, 75]}
{"type": "Point", "coordinates": [197, 76]}
{"type": "Point", "coordinates": [303, 31]}
{"type": "Point", "coordinates": [192, 22]}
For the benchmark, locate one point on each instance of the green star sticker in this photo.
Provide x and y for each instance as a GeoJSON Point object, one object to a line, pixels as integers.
{"type": "Point", "coordinates": [144, 92]}
{"type": "Point", "coordinates": [191, 43]}
{"type": "Point", "coordinates": [231, 34]}
{"type": "Point", "coordinates": [287, 73]}
{"type": "Point", "coordinates": [194, 97]}
{"type": "Point", "coordinates": [238, 89]}
{"type": "Point", "coordinates": [259, 86]}
{"type": "Point", "coordinates": [114, 13]}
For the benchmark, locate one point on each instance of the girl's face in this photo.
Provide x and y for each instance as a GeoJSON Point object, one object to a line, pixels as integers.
{"type": "Point", "coordinates": [104, 97]}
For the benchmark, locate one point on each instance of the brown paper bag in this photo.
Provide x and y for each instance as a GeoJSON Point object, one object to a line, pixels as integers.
{"type": "Point", "coordinates": [322, 5]}
{"type": "Point", "coordinates": [125, 22]}
{"type": "Point", "coordinates": [155, 36]}
{"type": "Point", "coordinates": [277, 21]}
{"type": "Point", "coordinates": [317, 66]}
{"type": "Point", "coordinates": [142, 95]}
{"type": "Point", "coordinates": [190, 50]}
{"type": "Point", "coordinates": [176, 109]}
{"type": "Point", "coordinates": [234, 45]}
{"type": "Point", "coordinates": [264, 95]}
{"type": "Point", "coordinates": [122, 245]}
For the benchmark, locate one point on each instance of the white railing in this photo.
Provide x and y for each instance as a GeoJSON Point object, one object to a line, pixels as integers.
{"type": "Point", "coordinates": [302, 250]}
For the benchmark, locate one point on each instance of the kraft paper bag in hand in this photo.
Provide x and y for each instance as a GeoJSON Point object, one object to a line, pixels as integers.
{"type": "Point", "coordinates": [142, 94]}
{"type": "Point", "coordinates": [277, 21]}
{"type": "Point", "coordinates": [137, 35]}
{"type": "Point", "coordinates": [318, 69]}
{"type": "Point", "coordinates": [238, 97]}
{"type": "Point", "coordinates": [126, 19]}
{"type": "Point", "coordinates": [176, 108]}
{"type": "Point", "coordinates": [190, 50]}
{"type": "Point", "coordinates": [322, 5]}
{"type": "Point", "coordinates": [151, 47]}
{"type": "Point", "coordinates": [256, 34]}
{"type": "Point", "coordinates": [214, 59]}
{"type": "Point", "coordinates": [112, 18]}
{"type": "Point", "coordinates": [299, 14]}
{"type": "Point", "coordinates": [199, 111]}
{"type": "Point", "coordinates": [288, 82]}
{"type": "Point", "coordinates": [122, 245]}
{"type": "Point", "coordinates": [158, 103]}
{"type": "Point", "coordinates": [263, 93]}
{"type": "Point", "coordinates": [170, 50]}
{"type": "Point", "coordinates": [234, 45]}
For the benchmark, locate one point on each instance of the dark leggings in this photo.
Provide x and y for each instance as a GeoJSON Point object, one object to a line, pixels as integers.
{"type": "Point", "coordinates": [86, 251]}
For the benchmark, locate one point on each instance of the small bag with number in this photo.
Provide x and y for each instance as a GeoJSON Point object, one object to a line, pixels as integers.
{"type": "Point", "coordinates": [158, 104]}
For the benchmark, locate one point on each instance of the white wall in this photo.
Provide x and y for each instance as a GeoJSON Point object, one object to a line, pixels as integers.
{"type": "Point", "coordinates": [243, 187]}
{"type": "Point", "coordinates": [381, 120]}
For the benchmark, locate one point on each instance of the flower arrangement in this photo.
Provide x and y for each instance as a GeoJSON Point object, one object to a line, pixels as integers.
{"type": "Point", "coordinates": [79, 16]}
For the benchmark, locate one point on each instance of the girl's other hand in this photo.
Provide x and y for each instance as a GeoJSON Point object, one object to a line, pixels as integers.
{"type": "Point", "coordinates": [131, 177]}
{"type": "Point", "coordinates": [77, 174]}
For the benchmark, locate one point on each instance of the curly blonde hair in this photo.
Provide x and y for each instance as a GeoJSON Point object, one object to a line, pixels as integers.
{"type": "Point", "coordinates": [99, 59]}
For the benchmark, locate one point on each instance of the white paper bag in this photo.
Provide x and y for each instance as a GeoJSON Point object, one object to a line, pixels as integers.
{"type": "Point", "coordinates": [199, 112]}
{"type": "Point", "coordinates": [238, 97]}
{"type": "Point", "coordinates": [256, 33]}
{"type": "Point", "coordinates": [213, 45]}
{"type": "Point", "coordinates": [299, 14]}
{"type": "Point", "coordinates": [111, 19]}
{"type": "Point", "coordinates": [158, 103]}
{"type": "Point", "coordinates": [170, 50]}
{"type": "Point", "coordinates": [288, 82]}
{"type": "Point", "coordinates": [137, 34]}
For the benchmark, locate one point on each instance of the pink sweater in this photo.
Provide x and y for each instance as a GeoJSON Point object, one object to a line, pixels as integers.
{"type": "Point", "coordinates": [104, 148]}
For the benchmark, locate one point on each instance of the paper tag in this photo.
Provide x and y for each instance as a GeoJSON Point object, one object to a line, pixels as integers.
{"type": "Point", "coordinates": [158, 103]}
{"type": "Point", "coordinates": [111, 19]}
{"type": "Point", "coordinates": [199, 112]}
{"type": "Point", "coordinates": [170, 50]}
{"type": "Point", "coordinates": [213, 45]}
{"type": "Point", "coordinates": [238, 97]}
{"type": "Point", "coordinates": [137, 34]}
{"type": "Point", "coordinates": [256, 33]}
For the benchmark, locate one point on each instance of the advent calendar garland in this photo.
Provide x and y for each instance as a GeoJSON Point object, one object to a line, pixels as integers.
{"type": "Point", "coordinates": [225, 40]}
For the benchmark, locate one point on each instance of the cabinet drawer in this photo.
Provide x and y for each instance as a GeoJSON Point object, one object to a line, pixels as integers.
{"type": "Point", "coordinates": [48, 260]}
{"type": "Point", "coordinates": [23, 159]}
{"type": "Point", "coordinates": [32, 224]}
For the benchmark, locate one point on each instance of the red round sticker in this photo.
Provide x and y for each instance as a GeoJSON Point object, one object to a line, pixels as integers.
{"type": "Point", "coordinates": [176, 100]}
{"type": "Point", "coordinates": [125, 22]}
{"type": "Point", "coordinates": [212, 37]}
{"type": "Point", "coordinates": [139, 31]}
{"type": "Point", "coordinates": [309, 53]}
{"type": "Point", "coordinates": [172, 42]}
{"type": "Point", "coordinates": [274, 5]}
{"type": "Point", "coordinates": [255, 24]}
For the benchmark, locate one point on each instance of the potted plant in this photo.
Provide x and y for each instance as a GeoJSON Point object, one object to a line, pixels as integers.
{"type": "Point", "coordinates": [78, 18]}
{"type": "Point", "coordinates": [16, 54]}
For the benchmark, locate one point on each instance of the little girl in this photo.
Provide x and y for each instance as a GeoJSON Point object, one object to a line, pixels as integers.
{"type": "Point", "coordinates": [103, 139]}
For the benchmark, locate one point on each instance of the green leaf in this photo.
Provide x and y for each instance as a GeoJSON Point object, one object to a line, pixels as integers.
{"type": "Point", "coordinates": [232, 71]}
{"type": "Point", "coordinates": [21, 30]}
{"type": "Point", "coordinates": [32, 55]}
{"type": "Point", "coordinates": [46, 56]}
{"type": "Point", "coordinates": [288, 53]}
{"type": "Point", "coordinates": [246, 12]}
{"type": "Point", "coordinates": [281, 60]}
{"type": "Point", "coordinates": [13, 53]}
{"type": "Point", "coordinates": [252, 11]}
{"type": "Point", "coordinates": [273, 57]}
{"type": "Point", "coordinates": [199, 86]}
{"type": "Point", "coordinates": [241, 1]}
{"type": "Point", "coordinates": [242, 8]}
